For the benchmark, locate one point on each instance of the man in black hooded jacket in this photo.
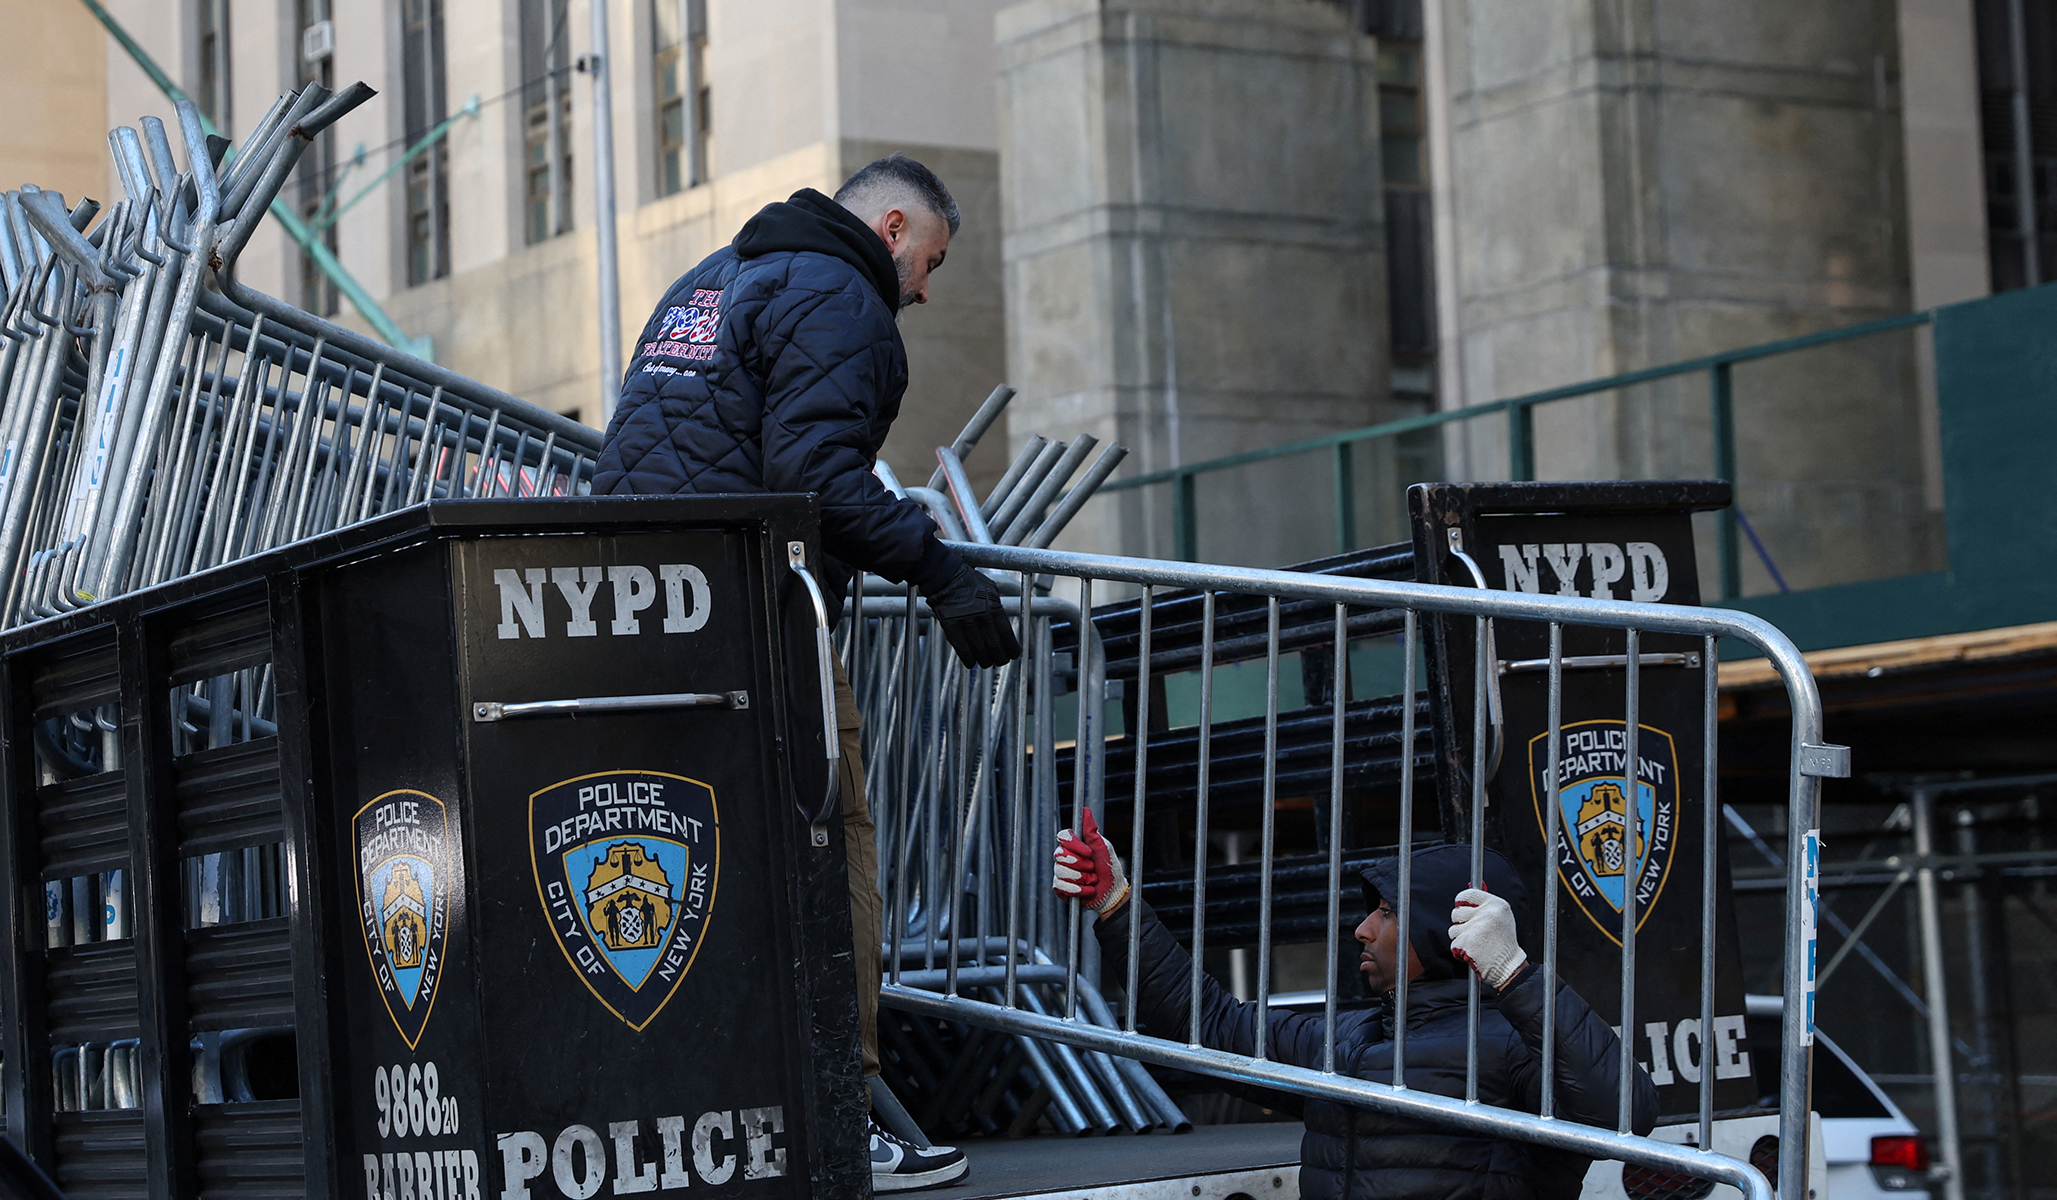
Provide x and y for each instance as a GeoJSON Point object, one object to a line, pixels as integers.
{"type": "Point", "coordinates": [1349, 1153]}
{"type": "Point", "coordinates": [776, 366]}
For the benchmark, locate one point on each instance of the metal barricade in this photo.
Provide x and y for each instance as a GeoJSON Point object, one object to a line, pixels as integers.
{"type": "Point", "coordinates": [159, 418]}
{"type": "Point", "coordinates": [964, 771]}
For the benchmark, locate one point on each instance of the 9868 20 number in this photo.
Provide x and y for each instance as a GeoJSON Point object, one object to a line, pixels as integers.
{"type": "Point", "coordinates": [409, 1101]}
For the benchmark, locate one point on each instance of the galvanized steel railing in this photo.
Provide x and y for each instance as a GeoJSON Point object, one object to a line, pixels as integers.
{"type": "Point", "coordinates": [963, 773]}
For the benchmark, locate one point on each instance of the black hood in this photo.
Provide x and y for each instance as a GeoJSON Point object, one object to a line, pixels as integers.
{"type": "Point", "coordinates": [1440, 872]}
{"type": "Point", "coordinates": [812, 221]}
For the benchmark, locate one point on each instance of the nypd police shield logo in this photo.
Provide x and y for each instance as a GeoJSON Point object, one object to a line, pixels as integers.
{"type": "Point", "coordinates": [404, 880]}
{"type": "Point", "coordinates": [626, 864]}
{"type": "Point", "coordinates": [1607, 843]}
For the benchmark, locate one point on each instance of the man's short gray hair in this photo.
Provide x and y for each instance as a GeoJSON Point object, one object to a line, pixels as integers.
{"type": "Point", "coordinates": [897, 177]}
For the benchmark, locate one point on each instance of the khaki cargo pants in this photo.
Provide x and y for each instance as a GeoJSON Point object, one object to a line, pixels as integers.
{"type": "Point", "coordinates": [860, 844]}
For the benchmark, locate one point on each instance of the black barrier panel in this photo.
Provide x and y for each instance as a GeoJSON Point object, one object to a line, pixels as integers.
{"type": "Point", "coordinates": [1627, 541]}
{"type": "Point", "coordinates": [521, 952]}
{"type": "Point", "coordinates": [410, 1083]}
{"type": "Point", "coordinates": [622, 858]}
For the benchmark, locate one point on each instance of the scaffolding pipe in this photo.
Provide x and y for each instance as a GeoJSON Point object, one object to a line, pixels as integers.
{"type": "Point", "coordinates": [1981, 1062]}
{"type": "Point", "coordinates": [1940, 1064]}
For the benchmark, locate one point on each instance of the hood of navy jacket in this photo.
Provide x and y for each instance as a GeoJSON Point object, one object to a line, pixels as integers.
{"type": "Point", "coordinates": [1439, 873]}
{"type": "Point", "coordinates": [808, 220]}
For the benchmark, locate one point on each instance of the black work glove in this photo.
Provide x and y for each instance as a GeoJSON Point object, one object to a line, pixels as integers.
{"type": "Point", "coordinates": [968, 609]}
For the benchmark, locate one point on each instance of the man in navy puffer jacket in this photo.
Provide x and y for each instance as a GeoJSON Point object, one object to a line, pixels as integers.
{"type": "Point", "coordinates": [1353, 1153]}
{"type": "Point", "coordinates": [776, 366]}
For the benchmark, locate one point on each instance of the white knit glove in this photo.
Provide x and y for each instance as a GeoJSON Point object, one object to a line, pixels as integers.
{"type": "Point", "coordinates": [1482, 935]}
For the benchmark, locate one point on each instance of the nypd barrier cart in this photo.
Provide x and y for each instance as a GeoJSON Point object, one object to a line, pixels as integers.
{"type": "Point", "coordinates": [484, 849]}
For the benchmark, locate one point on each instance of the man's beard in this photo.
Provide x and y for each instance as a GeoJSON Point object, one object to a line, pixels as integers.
{"type": "Point", "coordinates": [903, 265]}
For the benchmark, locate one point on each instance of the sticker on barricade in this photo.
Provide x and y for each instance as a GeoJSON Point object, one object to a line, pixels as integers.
{"type": "Point", "coordinates": [1810, 883]}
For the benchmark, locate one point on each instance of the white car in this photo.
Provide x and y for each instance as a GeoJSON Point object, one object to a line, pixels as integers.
{"type": "Point", "coordinates": [1864, 1147]}
{"type": "Point", "coordinates": [1870, 1147]}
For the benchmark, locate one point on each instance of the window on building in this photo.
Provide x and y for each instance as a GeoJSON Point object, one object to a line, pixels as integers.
{"type": "Point", "coordinates": [696, 59]}
{"type": "Point", "coordinates": [1409, 248]}
{"type": "Point", "coordinates": [668, 71]}
{"type": "Point", "coordinates": [213, 93]}
{"type": "Point", "coordinates": [428, 173]}
{"type": "Point", "coordinates": [1399, 112]}
{"type": "Point", "coordinates": [2017, 78]}
{"type": "Point", "coordinates": [317, 169]}
{"type": "Point", "coordinates": [679, 49]}
{"type": "Point", "coordinates": [546, 104]}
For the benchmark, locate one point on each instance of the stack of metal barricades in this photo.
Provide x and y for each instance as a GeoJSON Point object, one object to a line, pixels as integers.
{"type": "Point", "coordinates": [158, 417]}
{"type": "Point", "coordinates": [937, 737]}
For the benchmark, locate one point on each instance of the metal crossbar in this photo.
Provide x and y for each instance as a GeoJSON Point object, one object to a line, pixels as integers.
{"type": "Point", "coordinates": [966, 765]}
{"type": "Point", "coordinates": [160, 418]}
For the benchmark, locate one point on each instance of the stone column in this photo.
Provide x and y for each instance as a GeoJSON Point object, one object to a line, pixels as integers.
{"type": "Point", "coordinates": [1194, 254]}
{"type": "Point", "coordinates": [1946, 194]}
{"type": "Point", "coordinates": [1631, 183]}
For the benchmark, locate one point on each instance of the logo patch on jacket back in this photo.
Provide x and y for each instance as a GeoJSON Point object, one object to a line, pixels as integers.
{"type": "Point", "coordinates": [687, 330]}
{"type": "Point", "coordinates": [626, 864]}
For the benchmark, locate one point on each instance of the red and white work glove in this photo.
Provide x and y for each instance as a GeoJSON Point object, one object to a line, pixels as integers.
{"type": "Point", "coordinates": [1087, 869]}
{"type": "Point", "coordinates": [1482, 936]}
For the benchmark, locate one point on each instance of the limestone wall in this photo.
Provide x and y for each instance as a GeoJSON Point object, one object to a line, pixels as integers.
{"type": "Point", "coordinates": [53, 79]}
{"type": "Point", "coordinates": [1173, 229]}
{"type": "Point", "coordinates": [1194, 247]}
{"type": "Point", "coordinates": [1630, 184]}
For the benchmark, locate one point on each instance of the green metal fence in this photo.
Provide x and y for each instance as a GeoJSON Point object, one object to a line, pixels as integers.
{"type": "Point", "coordinates": [1519, 413]}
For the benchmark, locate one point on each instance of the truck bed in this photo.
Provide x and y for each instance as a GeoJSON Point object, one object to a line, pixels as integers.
{"type": "Point", "coordinates": [1212, 1162]}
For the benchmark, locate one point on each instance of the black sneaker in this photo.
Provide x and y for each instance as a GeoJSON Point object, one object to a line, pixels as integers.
{"type": "Point", "coordinates": [899, 1166]}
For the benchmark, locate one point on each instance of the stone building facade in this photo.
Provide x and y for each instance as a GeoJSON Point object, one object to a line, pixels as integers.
{"type": "Point", "coordinates": [719, 107]}
{"type": "Point", "coordinates": [1543, 192]}
{"type": "Point", "coordinates": [1202, 227]}
{"type": "Point", "coordinates": [1621, 186]}
{"type": "Point", "coordinates": [1195, 244]}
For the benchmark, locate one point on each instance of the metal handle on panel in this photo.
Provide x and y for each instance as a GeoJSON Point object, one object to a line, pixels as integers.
{"type": "Point", "coordinates": [824, 657]}
{"type": "Point", "coordinates": [489, 710]}
{"type": "Point", "coordinates": [1575, 662]}
{"type": "Point", "coordinates": [1492, 652]}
